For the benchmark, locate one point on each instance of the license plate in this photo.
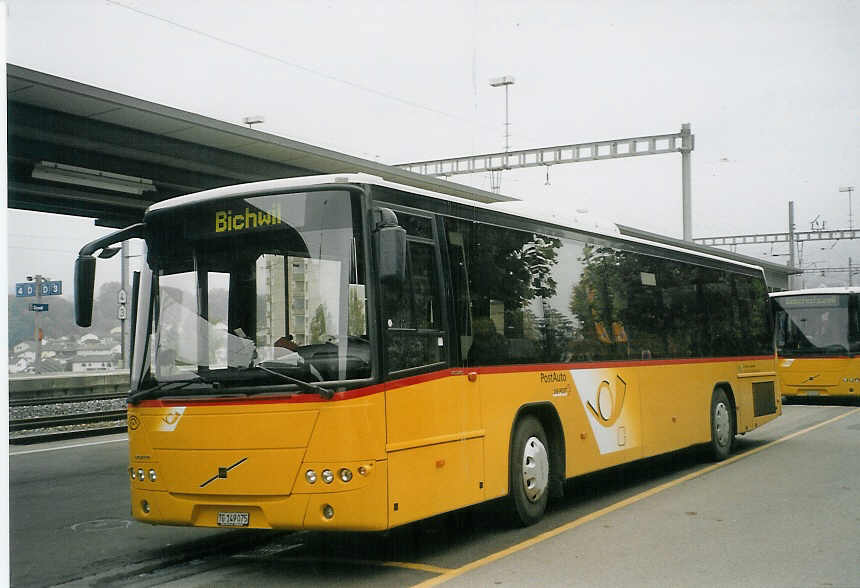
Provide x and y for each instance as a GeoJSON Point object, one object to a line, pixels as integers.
{"type": "Point", "coordinates": [233, 519]}
{"type": "Point", "coordinates": [812, 392]}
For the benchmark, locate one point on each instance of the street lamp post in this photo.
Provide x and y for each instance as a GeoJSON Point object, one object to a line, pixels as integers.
{"type": "Point", "coordinates": [507, 82]}
{"type": "Point", "coordinates": [850, 190]}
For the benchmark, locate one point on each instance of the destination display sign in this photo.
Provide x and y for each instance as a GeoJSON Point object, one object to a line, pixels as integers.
{"type": "Point", "coordinates": [39, 307]}
{"type": "Point", "coordinates": [237, 218]}
{"type": "Point", "coordinates": [813, 301]}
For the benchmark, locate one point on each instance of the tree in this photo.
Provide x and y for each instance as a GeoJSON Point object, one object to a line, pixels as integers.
{"type": "Point", "coordinates": [357, 321]}
{"type": "Point", "coordinates": [318, 325]}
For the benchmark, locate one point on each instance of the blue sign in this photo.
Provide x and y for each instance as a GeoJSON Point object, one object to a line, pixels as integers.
{"type": "Point", "coordinates": [54, 288]}
{"type": "Point", "coordinates": [25, 289]}
{"type": "Point", "coordinates": [39, 307]}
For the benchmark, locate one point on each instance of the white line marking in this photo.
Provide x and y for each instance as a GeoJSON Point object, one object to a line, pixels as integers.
{"type": "Point", "coordinates": [26, 451]}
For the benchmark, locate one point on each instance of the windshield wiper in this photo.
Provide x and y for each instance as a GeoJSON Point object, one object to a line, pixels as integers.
{"type": "Point", "coordinates": [306, 386]}
{"type": "Point", "coordinates": [163, 386]}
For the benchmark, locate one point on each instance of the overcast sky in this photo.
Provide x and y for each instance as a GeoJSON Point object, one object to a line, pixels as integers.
{"type": "Point", "coordinates": [770, 88]}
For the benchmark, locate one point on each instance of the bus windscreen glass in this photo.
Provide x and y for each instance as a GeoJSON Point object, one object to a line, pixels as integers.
{"type": "Point", "coordinates": [247, 287]}
{"type": "Point", "coordinates": [815, 324]}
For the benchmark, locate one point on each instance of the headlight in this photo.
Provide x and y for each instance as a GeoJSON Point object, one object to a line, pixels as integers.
{"type": "Point", "coordinates": [311, 477]}
{"type": "Point", "coordinates": [131, 473]}
{"type": "Point", "coordinates": [140, 475]}
{"type": "Point", "coordinates": [152, 476]}
{"type": "Point", "coordinates": [327, 476]}
{"type": "Point", "coordinates": [345, 474]}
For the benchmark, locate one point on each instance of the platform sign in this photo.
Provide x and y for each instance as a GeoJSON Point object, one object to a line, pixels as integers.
{"type": "Point", "coordinates": [54, 288]}
{"type": "Point", "coordinates": [39, 307]}
{"type": "Point", "coordinates": [26, 289]}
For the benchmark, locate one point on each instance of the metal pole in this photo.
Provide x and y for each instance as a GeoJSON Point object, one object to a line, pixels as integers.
{"type": "Point", "coordinates": [686, 181]}
{"type": "Point", "coordinates": [850, 273]}
{"type": "Point", "coordinates": [37, 325]}
{"type": "Point", "coordinates": [507, 124]}
{"type": "Point", "coordinates": [123, 286]}
{"type": "Point", "coordinates": [790, 241]}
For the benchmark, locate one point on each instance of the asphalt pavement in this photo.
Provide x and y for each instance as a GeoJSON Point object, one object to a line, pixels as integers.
{"type": "Point", "coordinates": [786, 513]}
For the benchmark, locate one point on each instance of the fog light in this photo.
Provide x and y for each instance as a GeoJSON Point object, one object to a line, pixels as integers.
{"type": "Point", "coordinates": [311, 477]}
{"type": "Point", "coordinates": [140, 475]}
{"type": "Point", "coordinates": [152, 476]}
{"type": "Point", "coordinates": [131, 473]}
{"type": "Point", "coordinates": [327, 476]}
{"type": "Point", "coordinates": [362, 470]}
{"type": "Point", "coordinates": [345, 474]}
{"type": "Point", "coordinates": [144, 506]}
{"type": "Point", "coordinates": [328, 511]}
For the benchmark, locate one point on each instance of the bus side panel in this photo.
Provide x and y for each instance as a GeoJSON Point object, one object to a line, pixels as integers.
{"type": "Point", "coordinates": [591, 443]}
{"type": "Point", "coordinates": [434, 445]}
{"type": "Point", "coordinates": [676, 404]}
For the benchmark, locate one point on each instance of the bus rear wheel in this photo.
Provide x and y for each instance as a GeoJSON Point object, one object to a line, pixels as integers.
{"type": "Point", "coordinates": [722, 425]}
{"type": "Point", "coordinates": [529, 471]}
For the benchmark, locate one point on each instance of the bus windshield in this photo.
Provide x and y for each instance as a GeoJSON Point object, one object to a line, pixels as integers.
{"type": "Point", "coordinates": [251, 290]}
{"type": "Point", "coordinates": [816, 324]}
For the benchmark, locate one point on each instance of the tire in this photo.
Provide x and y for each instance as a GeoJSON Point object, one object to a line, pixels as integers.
{"type": "Point", "coordinates": [529, 471]}
{"type": "Point", "coordinates": [722, 425]}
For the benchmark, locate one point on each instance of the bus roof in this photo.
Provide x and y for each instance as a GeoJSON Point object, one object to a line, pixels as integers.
{"type": "Point", "coordinates": [518, 208]}
{"type": "Point", "coordinates": [825, 290]}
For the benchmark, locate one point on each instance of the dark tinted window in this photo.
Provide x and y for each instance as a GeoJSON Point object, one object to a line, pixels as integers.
{"type": "Point", "coordinates": [412, 313]}
{"type": "Point", "coordinates": [526, 298]}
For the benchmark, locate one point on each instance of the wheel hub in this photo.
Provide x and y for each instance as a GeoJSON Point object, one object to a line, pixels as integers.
{"type": "Point", "coordinates": [722, 424]}
{"type": "Point", "coordinates": [535, 469]}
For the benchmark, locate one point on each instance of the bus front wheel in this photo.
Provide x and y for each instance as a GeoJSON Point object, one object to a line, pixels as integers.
{"type": "Point", "coordinates": [529, 471]}
{"type": "Point", "coordinates": [722, 425]}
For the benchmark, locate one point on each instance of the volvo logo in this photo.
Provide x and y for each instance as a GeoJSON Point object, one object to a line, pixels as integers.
{"type": "Point", "coordinates": [222, 472]}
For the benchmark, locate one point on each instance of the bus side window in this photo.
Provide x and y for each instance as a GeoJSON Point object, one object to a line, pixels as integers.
{"type": "Point", "coordinates": [412, 317]}
{"type": "Point", "coordinates": [460, 286]}
{"type": "Point", "coordinates": [854, 323]}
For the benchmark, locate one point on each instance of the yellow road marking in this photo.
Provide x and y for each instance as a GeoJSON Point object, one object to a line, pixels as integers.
{"type": "Point", "coordinates": [418, 566]}
{"type": "Point", "coordinates": [613, 507]}
{"type": "Point", "coordinates": [371, 562]}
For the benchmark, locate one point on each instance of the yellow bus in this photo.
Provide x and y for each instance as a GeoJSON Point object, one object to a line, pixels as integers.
{"type": "Point", "coordinates": [342, 352]}
{"type": "Point", "coordinates": [818, 339]}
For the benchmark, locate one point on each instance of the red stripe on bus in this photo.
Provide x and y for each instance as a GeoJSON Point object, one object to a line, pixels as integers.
{"type": "Point", "coordinates": [437, 375]}
{"type": "Point", "coordinates": [817, 357]}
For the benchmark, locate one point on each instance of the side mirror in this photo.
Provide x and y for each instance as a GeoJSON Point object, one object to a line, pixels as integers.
{"type": "Point", "coordinates": [85, 278]}
{"type": "Point", "coordinates": [770, 310]}
{"type": "Point", "coordinates": [391, 249]}
{"type": "Point", "coordinates": [85, 269]}
{"type": "Point", "coordinates": [390, 240]}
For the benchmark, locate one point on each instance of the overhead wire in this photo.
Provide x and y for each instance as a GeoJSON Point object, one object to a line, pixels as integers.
{"type": "Point", "coordinates": [283, 61]}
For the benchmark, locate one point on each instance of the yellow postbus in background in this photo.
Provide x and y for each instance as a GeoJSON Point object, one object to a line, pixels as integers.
{"type": "Point", "coordinates": [818, 340]}
{"type": "Point", "coordinates": [341, 352]}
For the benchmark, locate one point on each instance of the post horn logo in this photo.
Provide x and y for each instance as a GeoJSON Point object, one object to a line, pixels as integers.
{"type": "Point", "coordinates": [133, 422]}
{"type": "Point", "coordinates": [609, 401]}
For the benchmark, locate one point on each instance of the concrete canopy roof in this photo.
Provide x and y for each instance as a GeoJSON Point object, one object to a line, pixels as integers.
{"type": "Point", "coordinates": [53, 119]}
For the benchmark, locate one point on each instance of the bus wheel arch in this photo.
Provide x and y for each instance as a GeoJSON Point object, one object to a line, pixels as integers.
{"type": "Point", "coordinates": [536, 443]}
{"type": "Point", "coordinates": [723, 421]}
